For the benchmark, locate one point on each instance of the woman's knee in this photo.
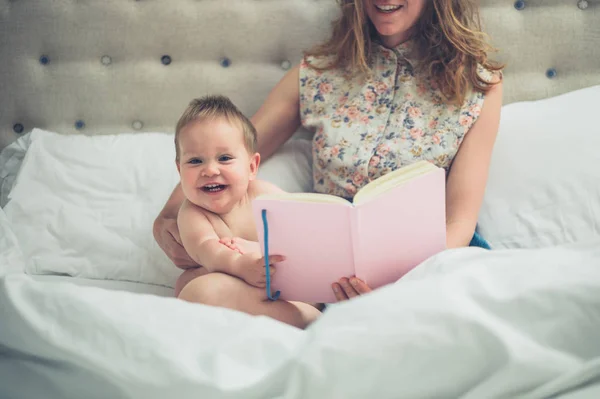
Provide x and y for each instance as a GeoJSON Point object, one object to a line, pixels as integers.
{"type": "Point", "coordinates": [211, 289]}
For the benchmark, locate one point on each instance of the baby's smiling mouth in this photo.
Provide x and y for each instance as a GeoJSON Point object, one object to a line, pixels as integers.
{"type": "Point", "coordinates": [214, 188]}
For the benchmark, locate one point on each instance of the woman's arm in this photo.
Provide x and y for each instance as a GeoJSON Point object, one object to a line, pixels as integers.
{"type": "Point", "coordinates": [166, 232]}
{"type": "Point", "coordinates": [469, 172]}
{"type": "Point", "coordinates": [279, 116]}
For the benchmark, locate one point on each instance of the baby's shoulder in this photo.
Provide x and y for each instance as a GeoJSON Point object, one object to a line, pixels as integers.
{"type": "Point", "coordinates": [261, 187]}
{"type": "Point", "coordinates": [195, 220]}
{"type": "Point", "coordinates": [192, 213]}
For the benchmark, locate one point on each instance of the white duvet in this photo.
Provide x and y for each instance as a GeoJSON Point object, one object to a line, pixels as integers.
{"type": "Point", "coordinates": [468, 323]}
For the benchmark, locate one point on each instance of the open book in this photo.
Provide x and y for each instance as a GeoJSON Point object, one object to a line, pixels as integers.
{"type": "Point", "coordinates": [394, 223]}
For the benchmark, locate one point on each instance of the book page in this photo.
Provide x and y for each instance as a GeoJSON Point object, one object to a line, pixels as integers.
{"type": "Point", "coordinates": [316, 240]}
{"type": "Point", "coordinates": [400, 229]}
{"type": "Point", "coordinates": [306, 197]}
{"type": "Point", "coordinates": [393, 179]}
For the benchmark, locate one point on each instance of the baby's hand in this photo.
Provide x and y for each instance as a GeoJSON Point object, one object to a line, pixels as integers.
{"type": "Point", "coordinates": [228, 242]}
{"type": "Point", "coordinates": [251, 268]}
{"type": "Point", "coordinates": [240, 245]}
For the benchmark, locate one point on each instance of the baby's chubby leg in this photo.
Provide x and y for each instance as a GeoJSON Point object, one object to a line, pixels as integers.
{"type": "Point", "coordinates": [219, 289]}
{"type": "Point", "coordinates": [187, 276]}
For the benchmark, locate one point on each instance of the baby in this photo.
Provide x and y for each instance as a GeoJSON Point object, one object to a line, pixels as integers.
{"type": "Point", "coordinates": [217, 162]}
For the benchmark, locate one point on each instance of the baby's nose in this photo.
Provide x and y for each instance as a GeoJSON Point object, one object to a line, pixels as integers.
{"type": "Point", "coordinates": [211, 170]}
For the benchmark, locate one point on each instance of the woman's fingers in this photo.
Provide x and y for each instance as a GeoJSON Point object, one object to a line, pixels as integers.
{"type": "Point", "coordinates": [360, 286]}
{"type": "Point", "coordinates": [348, 288]}
{"type": "Point", "coordinates": [338, 292]}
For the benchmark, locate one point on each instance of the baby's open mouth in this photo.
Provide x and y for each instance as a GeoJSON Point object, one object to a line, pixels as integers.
{"type": "Point", "coordinates": [388, 8]}
{"type": "Point", "coordinates": [214, 188]}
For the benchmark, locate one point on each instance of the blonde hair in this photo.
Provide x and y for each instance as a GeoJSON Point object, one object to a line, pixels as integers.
{"type": "Point", "coordinates": [449, 45]}
{"type": "Point", "coordinates": [216, 106]}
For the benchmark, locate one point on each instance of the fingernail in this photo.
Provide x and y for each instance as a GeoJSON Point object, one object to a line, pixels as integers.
{"type": "Point", "coordinates": [354, 282]}
{"type": "Point", "coordinates": [335, 288]}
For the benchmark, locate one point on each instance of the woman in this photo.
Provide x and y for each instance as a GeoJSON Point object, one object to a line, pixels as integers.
{"type": "Point", "coordinates": [397, 82]}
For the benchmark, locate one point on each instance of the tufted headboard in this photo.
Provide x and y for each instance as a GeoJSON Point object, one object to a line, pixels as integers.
{"type": "Point", "coordinates": [107, 66]}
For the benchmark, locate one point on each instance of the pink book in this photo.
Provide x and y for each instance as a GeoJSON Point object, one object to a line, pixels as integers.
{"type": "Point", "coordinates": [394, 223]}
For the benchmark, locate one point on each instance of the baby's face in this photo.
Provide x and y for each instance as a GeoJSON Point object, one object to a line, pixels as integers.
{"type": "Point", "coordinates": [214, 164]}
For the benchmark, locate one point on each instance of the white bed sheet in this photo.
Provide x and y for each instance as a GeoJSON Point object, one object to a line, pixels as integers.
{"type": "Point", "coordinates": [128, 286]}
{"type": "Point", "coordinates": [468, 323]}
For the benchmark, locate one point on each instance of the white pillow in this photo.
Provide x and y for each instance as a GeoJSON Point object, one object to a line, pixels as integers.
{"type": "Point", "coordinates": [11, 158]}
{"type": "Point", "coordinates": [11, 258]}
{"type": "Point", "coordinates": [544, 183]}
{"type": "Point", "coordinates": [84, 205]}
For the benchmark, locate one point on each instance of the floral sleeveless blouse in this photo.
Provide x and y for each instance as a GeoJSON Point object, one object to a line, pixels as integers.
{"type": "Point", "coordinates": [367, 128]}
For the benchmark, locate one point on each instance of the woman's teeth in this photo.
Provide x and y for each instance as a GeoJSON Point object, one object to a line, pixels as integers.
{"type": "Point", "coordinates": [388, 8]}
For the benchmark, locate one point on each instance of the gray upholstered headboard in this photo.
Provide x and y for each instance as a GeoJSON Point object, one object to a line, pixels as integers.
{"type": "Point", "coordinates": [106, 66]}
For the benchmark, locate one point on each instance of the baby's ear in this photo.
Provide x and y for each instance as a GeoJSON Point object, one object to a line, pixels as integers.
{"type": "Point", "coordinates": [178, 167]}
{"type": "Point", "coordinates": [254, 162]}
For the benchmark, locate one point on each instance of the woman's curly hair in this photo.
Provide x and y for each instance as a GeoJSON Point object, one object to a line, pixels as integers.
{"type": "Point", "coordinates": [449, 45]}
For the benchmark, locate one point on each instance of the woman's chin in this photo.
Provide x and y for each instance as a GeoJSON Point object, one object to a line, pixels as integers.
{"type": "Point", "coordinates": [392, 38]}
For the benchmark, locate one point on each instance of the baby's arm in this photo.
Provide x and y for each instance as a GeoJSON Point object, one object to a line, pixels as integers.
{"type": "Point", "coordinates": [202, 244]}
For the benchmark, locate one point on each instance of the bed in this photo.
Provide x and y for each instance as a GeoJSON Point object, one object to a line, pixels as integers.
{"type": "Point", "coordinates": [90, 92]}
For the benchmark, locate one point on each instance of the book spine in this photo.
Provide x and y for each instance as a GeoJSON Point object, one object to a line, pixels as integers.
{"type": "Point", "coordinates": [354, 216]}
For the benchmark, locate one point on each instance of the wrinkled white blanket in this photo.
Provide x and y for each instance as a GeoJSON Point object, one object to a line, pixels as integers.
{"type": "Point", "coordinates": [468, 323]}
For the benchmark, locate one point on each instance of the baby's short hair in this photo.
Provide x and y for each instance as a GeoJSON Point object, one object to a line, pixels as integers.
{"type": "Point", "coordinates": [216, 106]}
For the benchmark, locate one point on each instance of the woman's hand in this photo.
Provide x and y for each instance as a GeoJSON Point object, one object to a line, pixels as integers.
{"type": "Point", "coordinates": [349, 288]}
{"type": "Point", "coordinates": [166, 234]}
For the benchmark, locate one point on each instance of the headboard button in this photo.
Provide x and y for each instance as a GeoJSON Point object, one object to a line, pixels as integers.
{"type": "Point", "coordinates": [79, 124]}
{"type": "Point", "coordinates": [551, 73]}
{"type": "Point", "coordinates": [18, 128]}
{"type": "Point", "coordinates": [285, 65]}
{"type": "Point", "coordinates": [225, 62]}
{"type": "Point", "coordinates": [44, 60]}
{"type": "Point", "coordinates": [137, 125]}
{"type": "Point", "coordinates": [583, 4]}
{"type": "Point", "coordinates": [165, 59]}
{"type": "Point", "coordinates": [106, 60]}
{"type": "Point", "coordinates": [520, 4]}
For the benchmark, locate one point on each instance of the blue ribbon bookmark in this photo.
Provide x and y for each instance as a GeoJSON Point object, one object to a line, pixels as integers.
{"type": "Point", "coordinates": [266, 230]}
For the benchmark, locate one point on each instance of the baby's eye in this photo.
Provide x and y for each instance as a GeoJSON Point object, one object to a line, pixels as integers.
{"type": "Point", "coordinates": [194, 161]}
{"type": "Point", "coordinates": [225, 158]}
